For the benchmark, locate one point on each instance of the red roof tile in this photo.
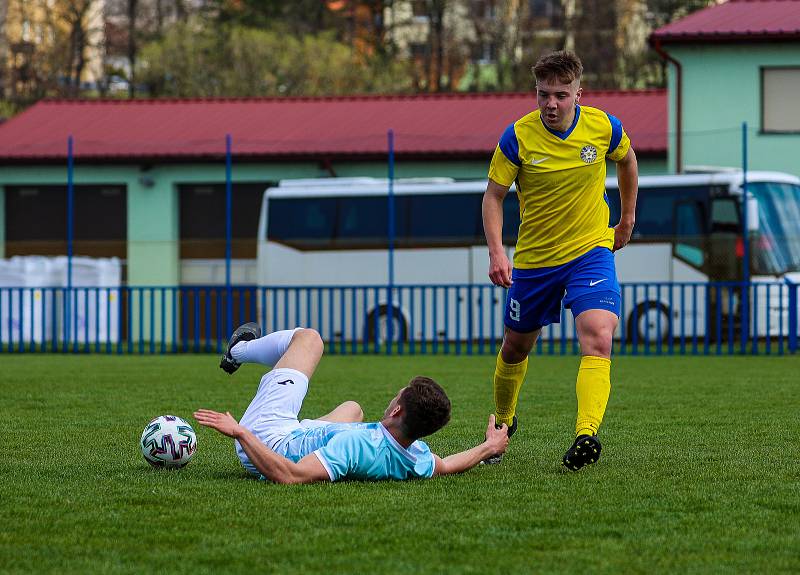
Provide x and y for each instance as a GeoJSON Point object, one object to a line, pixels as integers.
{"type": "Point", "coordinates": [294, 128]}
{"type": "Point", "coordinates": [751, 20]}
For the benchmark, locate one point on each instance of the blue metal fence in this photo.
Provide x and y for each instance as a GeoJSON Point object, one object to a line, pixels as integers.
{"type": "Point", "coordinates": [656, 318]}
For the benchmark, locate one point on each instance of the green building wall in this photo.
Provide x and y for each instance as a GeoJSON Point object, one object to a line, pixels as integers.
{"type": "Point", "coordinates": [152, 197]}
{"type": "Point", "coordinates": [721, 90]}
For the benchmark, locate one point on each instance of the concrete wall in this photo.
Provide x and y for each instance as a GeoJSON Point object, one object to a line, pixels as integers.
{"type": "Point", "coordinates": [722, 89]}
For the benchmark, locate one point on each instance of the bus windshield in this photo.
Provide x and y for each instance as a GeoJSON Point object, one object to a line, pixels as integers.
{"type": "Point", "coordinates": [776, 244]}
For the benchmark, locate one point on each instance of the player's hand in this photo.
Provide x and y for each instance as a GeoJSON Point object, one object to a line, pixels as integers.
{"type": "Point", "coordinates": [622, 234]}
{"type": "Point", "coordinates": [222, 422]}
{"type": "Point", "coordinates": [496, 437]}
{"type": "Point", "coordinates": [500, 270]}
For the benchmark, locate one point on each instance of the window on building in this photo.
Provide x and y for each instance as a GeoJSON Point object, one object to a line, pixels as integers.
{"type": "Point", "coordinates": [779, 111]}
{"type": "Point", "coordinates": [202, 220]}
{"type": "Point", "coordinates": [36, 220]}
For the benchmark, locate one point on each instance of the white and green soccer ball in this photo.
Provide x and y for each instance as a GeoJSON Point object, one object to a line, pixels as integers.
{"type": "Point", "coordinates": [168, 441]}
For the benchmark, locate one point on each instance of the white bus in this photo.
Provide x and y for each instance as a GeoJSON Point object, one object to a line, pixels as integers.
{"type": "Point", "coordinates": [689, 228]}
{"type": "Point", "coordinates": [322, 233]}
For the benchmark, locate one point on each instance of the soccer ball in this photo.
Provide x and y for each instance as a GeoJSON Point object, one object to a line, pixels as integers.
{"type": "Point", "coordinates": [168, 441]}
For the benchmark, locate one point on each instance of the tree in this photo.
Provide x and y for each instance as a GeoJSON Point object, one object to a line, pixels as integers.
{"type": "Point", "coordinates": [638, 66]}
{"type": "Point", "coordinates": [132, 52]}
{"type": "Point", "coordinates": [195, 61]}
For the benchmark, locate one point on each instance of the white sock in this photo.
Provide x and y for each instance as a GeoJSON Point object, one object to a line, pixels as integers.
{"type": "Point", "coordinates": [266, 350]}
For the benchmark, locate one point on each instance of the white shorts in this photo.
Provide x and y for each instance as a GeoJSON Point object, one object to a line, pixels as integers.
{"type": "Point", "coordinates": [272, 415]}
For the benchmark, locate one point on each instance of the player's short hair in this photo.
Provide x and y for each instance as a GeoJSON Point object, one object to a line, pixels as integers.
{"type": "Point", "coordinates": [563, 65]}
{"type": "Point", "coordinates": [426, 407]}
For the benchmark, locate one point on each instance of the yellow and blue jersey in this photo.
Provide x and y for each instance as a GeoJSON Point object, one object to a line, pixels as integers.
{"type": "Point", "coordinates": [560, 179]}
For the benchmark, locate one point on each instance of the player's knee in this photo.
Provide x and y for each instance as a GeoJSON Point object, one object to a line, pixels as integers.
{"type": "Point", "coordinates": [311, 339]}
{"type": "Point", "coordinates": [355, 410]}
{"type": "Point", "coordinates": [598, 342]}
{"type": "Point", "coordinates": [514, 351]}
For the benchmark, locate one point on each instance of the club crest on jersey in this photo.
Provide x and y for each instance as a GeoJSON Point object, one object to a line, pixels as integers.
{"type": "Point", "coordinates": [588, 154]}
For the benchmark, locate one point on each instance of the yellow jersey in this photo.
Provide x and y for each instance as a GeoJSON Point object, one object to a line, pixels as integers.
{"type": "Point", "coordinates": [560, 179]}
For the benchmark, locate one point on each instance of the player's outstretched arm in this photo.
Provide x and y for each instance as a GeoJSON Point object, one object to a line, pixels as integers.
{"type": "Point", "coordinates": [496, 442]}
{"type": "Point", "coordinates": [269, 464]}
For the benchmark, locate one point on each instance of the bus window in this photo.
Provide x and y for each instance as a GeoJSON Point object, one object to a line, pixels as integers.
{"type": "Point", "coordinates": [724, 252]}
{"type": "Point", "coordinates": [725, 216]}
{"type": "Point", "coordinates": [510, 219]}
{"type": "Point", "coordinates": [444, 219]}
{"type": "Point", "coordinates": [655, 209]}
{"type": "Point", "coordinates": [362, 222]}
{"type": "Point", "coordinates": [655, 212]}
{"type": "Point", "coordinates": [612, 199]}
{"type": "Point", "coordinates": [421, 220]}
{"type": "Point", "coordinates": [777, 240]}
{"type": "Point", "coordinates": [302, 224]}
{"type": "Point", "coordinates": [689, 233]}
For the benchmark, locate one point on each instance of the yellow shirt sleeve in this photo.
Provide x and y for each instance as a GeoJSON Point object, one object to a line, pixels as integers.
{"type": "Point", "coordinates": [502, 170]}
{"type": "Point", "coordinates": [622, 148]}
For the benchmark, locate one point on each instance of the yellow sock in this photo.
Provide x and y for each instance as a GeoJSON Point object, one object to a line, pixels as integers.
{"type": "Point", "coordinates": [592, 388]}
{"type": "Point", "coordinates": [508, 378]}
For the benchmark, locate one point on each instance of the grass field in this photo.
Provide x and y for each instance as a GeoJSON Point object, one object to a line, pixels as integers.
{"type": "Point", "coordinates": [700, 473]}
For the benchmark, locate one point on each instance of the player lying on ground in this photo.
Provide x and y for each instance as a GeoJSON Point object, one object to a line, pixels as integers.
{"type": "Point", "coordinates": [274, 445]}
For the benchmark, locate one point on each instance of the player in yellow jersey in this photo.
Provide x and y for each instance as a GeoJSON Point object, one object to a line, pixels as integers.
{"type": "Point", "coordinates": [556, 156]}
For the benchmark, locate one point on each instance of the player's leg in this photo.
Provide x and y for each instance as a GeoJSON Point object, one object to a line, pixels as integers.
{"type": "Point", "coordinates": [533, 301]}
{"type": "Point", "coordinates": [595, 332]}
{"type": "Point", "coordinates": [303, 353]}
{"type": "Point", "coordinates": [511, 366]}
{"type": "Point", "coordinates": [347, 412]}
{"type": "Point", "coordinates": [273, 413]}
{"type": "Point", "coordinates": [245, 332]}
{"type": "Point", "coordinates": [593, 385]}
{"type": "Point", "coordinates": [594, 297]}
{"type": "Point", "coordinates": [299, 349]}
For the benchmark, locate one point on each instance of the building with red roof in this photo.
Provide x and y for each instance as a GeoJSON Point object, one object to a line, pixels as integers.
{"type": "Point", "coordinates": [427, 127]}
{"type": "Point", "coordinates": [150, 174]}
{"type": "Point", "coordinates": [731, 65]}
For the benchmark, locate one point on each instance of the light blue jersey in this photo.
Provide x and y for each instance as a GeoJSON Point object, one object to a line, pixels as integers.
{"type": "Point", "coordinates": [363, 451]}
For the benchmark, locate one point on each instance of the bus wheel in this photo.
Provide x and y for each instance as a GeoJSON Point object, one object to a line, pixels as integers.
{"type": "Point", "coordinates": [399, 327]}
{"type": "Point", "coordinates": [649, 322]}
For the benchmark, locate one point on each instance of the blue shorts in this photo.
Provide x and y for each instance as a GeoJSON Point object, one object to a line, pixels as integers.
{"type": "Point", "coordinates": [587, 282]}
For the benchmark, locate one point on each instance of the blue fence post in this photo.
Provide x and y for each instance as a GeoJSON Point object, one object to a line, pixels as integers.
{"type": "Point", "coordinates": [746, 246]}
{"type": "Point", "coordinates": [70, 214]}
{"type": "Point", "coordinates": [390, 229]}
{"type": "Point", "coordinates": [792, 311]}
{"type": "Point", "coordinates": [228, 234]}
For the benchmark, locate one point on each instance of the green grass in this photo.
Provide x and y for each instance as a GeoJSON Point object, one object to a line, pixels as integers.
{"type": "Point", "coordinates": [699, 473]}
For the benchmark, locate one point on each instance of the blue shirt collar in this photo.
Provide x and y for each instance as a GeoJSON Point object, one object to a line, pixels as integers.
{"type": "Point", "coordinates": [564, 135]}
